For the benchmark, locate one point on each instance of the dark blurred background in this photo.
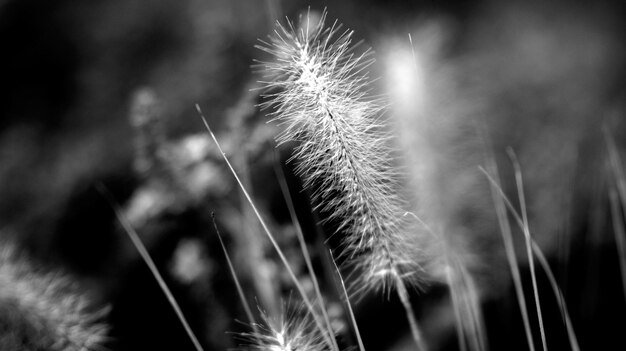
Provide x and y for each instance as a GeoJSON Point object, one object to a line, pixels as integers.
{"type": "Point", "coordinates": [104, 93]}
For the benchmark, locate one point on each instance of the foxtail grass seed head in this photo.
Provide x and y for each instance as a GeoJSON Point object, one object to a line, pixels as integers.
{"type": "Point", "coordinates": [318, 87]}
{"type": "Point", "coordinates": [294, 330]}
{"type": "Point", "coordinates": [45, 310]}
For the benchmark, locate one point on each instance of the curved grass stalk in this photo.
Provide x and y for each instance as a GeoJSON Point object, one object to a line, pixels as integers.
{"type": "Point", "coordinates": [527, 237]}
{"type": "Point", "coordinates": [542, 260]}
{"type": "Point", "coordinates": [507, 238]}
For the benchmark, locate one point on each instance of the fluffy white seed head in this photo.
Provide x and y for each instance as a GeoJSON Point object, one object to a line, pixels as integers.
{"type": "Point", "coordinates": [294, 330]}
{"type": "Point", "coordinates": [45, 310]}
{"type": "Point", "coordinates": [318, 87]}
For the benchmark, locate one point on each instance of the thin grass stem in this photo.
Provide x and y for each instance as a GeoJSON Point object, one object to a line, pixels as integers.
{"type": "Point", "coordinates": [347, 297]}
{"type": "Point", "coordinates": [507, 238]}
{"type": "Point", "coordinates": [617, 215]}
{"type": "Point", "coordinates": [242, 296]}
{"type": "Point", "coordinates": [305, 253]}
{"type": "Point", "coordinates": [279, 251]}
{"type": "Point", "coordinates": [558, 295]}
{"type": "Point", "coordinates": [410, 314]}
{"type": "Point", "coordinates": [527, 237]}
{"type": "Point", "coordinates": [456, 307]}
{"type": "Point", "coordinates": [475, 325]}
{"type": "Point", "coordinates": [143, 252]}
{"type": "Point", "coordinates": [544, 263]}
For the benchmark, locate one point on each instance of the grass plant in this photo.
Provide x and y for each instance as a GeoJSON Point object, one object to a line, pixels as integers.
{"type": "Point", "coordinates": [318, 86]}
{"type": "Point", "coordinates": [419, 206]}
{"type": "Point", "coordinates": [317, 89]}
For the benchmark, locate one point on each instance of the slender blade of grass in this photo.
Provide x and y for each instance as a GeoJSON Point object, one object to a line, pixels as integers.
{"type": "Point", "coordinates": [242, 296]}
{"type": "Point", "coordinates": [279, 251]}
{"type": "Point", "coordinates": [507, 238]}
{"type": "Point", "coordinates": [477, 323]}
{"type": "Point", "coordinates": [347, 297]}
{"type": "Point", "coordinates": [544, 264]}
{"type": "Point", "coordinates": [558, 295]}
{"type": "Point", "coordinates": [305, 253]}
{"type": "Point", "coordinates": [143, 252]}
{"type": "Point", "coordinates": [456, 302]}
{"type": "Point", "coordinates": [527, 237]}
{"type": "Point", "coordinates": [475, 333]}
{"type": "Point", "coordinates": [403, 294]}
